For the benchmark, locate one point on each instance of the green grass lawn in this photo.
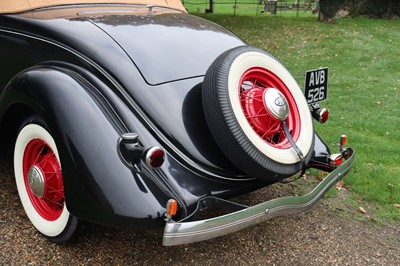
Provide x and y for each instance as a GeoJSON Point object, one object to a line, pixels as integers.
{"type": "Point", "coordinates": [363, 56]}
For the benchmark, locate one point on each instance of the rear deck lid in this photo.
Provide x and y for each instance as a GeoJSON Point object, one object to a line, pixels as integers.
{"type": "Point", "coordinates": [168, 46]}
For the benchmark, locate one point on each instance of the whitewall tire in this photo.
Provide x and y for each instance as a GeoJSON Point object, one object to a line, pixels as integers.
{"type": "Point", "coordinates": [243, 90]}
{"type": "Point", "coordinates": [39, 181]}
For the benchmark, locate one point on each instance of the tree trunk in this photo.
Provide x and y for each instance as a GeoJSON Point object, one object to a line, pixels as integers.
{"type": "Point", "coordinates": [329, 8]}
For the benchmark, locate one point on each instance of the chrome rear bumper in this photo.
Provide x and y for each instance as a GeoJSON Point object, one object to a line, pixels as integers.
{"type": "Point", "coordinates": [177, 233]}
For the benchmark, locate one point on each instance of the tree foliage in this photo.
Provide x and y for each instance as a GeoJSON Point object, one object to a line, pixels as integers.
{"type": "Point", "coordinates": [373, 8]}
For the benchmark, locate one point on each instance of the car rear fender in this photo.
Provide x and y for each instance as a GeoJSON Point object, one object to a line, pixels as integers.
{"type": "Point", "coordinates": [98, 186]}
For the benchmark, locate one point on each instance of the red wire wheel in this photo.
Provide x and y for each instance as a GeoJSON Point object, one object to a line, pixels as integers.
{"type": "Point", "coordinates": [247, 94]}
{"type": "Point", "coordinates": [256, 82]}
{"type": "Point", "coordinates": [39, 181]}
{"type": "Point", "coordinates": [43, 179]}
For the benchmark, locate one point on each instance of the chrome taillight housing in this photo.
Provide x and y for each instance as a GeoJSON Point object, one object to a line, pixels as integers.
{"type": "Point", "coordinates": [154, 157]}
{"type": "Point", "coordinates": [132, 153]}
{"type": "Point", "coordinates": [321, 115]}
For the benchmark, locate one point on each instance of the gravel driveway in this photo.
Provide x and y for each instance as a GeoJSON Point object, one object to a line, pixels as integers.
{"type": "Point", "coordinates": [327, 235]}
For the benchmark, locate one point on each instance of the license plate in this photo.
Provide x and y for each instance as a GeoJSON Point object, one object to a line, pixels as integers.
{"type": "Point", "coordinates": [316, 85]}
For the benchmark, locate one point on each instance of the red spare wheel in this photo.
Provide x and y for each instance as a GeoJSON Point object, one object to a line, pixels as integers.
{"type": "Point", "coordinates": [247, 94]}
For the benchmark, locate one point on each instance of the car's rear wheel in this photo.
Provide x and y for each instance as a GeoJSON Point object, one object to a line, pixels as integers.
{"type": "Point", "coordinates": [40, 182]}
{"type": "Point", "coordinates": [247, 94]}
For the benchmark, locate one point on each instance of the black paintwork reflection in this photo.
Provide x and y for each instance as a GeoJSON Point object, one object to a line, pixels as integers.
{"type": "Point", "coordinates": [192, 187]}
{"type": "Point", "coordinates": [179, 20]}
{"type": "Point", "coordinates": [197, 129]}
{"type": "Point", "coordinates": [321, 153]}
{"type": "Point", "coordinates": [175, 108]}
{"type": "Point", "coordinates": [169, 46]}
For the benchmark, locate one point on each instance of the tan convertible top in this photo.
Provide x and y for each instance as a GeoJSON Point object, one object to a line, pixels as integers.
{"type": "Point", "coordinates": [16, 6]}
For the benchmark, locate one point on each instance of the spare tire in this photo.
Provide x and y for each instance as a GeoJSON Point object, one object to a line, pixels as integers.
{"type": "Point", "coordinates": [247, 93]}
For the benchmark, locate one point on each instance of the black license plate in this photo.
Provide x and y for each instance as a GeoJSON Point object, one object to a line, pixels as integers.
{"type": "Point", "coordinates": [316, 85]}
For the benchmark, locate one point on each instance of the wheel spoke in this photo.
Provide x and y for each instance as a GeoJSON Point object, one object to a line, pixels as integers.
{"type": "Point", "coordinates": [52, 205]}
{"type": "Point", "coordinates": [45, 158]}
{"type": "Point", "coordinates": [59, 190]}
{"type": "Point", "coordinates": [247, 97]}
{"type": "Point", "coordinates": [50, 175]}
{"type": "Point", "coordinates": [255, 82]}
{"type": "Point", "coordinates": [39, 154]}
{"type": "Point", "coordinates": [257, 115]}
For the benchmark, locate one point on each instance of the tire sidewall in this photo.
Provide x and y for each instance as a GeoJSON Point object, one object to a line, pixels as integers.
{"type": "Point", "coordinates": [26, 134]}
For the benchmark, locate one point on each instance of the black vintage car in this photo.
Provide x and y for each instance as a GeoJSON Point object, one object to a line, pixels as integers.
{"type": "Point", "coordinates": [135, 113]}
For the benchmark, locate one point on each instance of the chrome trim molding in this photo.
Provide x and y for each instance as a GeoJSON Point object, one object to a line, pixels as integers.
{"type": "Point", "coordinates": [177, 233]}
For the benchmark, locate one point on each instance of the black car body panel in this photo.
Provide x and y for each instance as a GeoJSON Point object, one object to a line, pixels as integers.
{"type": "Point", "coordinates": [69, 42]}
{"type": "Point", "coordinates": [77, 83]}
{"type": "Point", "coordinates": [168, 47]}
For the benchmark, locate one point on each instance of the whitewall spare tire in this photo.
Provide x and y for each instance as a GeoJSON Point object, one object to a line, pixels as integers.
{"type": "Point", "coordinates": [247, 93]}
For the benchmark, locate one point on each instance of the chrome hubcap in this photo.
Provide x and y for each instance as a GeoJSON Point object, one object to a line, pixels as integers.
{"type": "Point", "coordinates": [276, 103]}
{"type": "Point", "coordinates": [36, 181]}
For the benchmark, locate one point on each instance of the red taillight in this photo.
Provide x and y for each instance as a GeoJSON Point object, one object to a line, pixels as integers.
{"type": "Point", "coordinates": [335, 160]}
{"type": "Point", "coordinates": [338, 161]}
{"type": "Point", "coordinates": [155, 157]}
{"type": "Point", "coordinates": [320, 114]}
{"type": "Point", "coordinates": [323, 115]}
